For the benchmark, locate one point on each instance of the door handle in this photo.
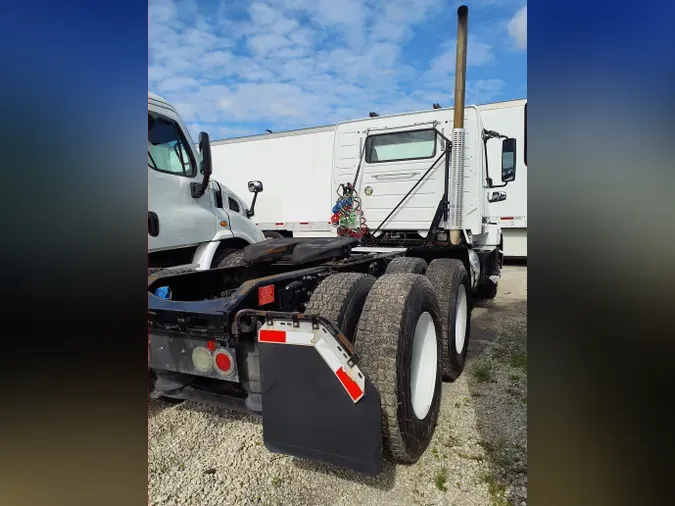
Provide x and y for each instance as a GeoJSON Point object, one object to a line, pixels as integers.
{"type": "Point", "coordinates": [153, 224]}
{"type": "Point", "coordinates": [396, 175]}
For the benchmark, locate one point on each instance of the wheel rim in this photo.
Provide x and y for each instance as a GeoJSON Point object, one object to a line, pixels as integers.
{"type": "Point", "coordinates": [460, 319]}
{"type": "Point", "coordinates": [424, 365]}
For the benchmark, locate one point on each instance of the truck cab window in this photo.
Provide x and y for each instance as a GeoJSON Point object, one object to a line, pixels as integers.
{"type": "Point", "coordinates": [400, 146]}
{"type": "Point", "coordinates": [167, 149]}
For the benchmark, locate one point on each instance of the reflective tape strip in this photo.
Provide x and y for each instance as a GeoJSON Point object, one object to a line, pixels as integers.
{"type": "Point", "coordinates": [353, 388]}
{"type": "Point", "coordinates": [332, 358]}
{"type": "Point", "coordinates": [272, 336]}
{"type": "Point", "coordinates": [286, 337]}
{"type": "Point", "coordinates": [335, 356]}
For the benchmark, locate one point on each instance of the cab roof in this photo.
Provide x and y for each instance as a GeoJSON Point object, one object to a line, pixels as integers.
{"type": "Point", "coordinates": [156, 97]}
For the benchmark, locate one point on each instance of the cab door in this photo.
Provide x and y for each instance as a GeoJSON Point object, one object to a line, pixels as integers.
{"type": "Point", "coordinates": [175, 218]}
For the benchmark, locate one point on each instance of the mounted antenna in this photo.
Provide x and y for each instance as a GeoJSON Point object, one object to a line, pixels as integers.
{"type": "Point", "coordinates": [268, 131]}
{"type": "Point", "coordinates": [436, 106]}
{"type": "Point", "coordinates": [373, 114]}
{"type": "Point", "coordinates": [457, 175]}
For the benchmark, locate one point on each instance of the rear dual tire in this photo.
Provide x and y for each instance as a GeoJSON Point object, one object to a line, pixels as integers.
{"type": "Point", "coordinates": [398, 341]}
{"type": "Point", "coordinates": [395, 325]}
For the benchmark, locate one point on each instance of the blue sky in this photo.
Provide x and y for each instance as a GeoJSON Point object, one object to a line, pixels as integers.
{"type": "Point", "coordinates": [238, 67]}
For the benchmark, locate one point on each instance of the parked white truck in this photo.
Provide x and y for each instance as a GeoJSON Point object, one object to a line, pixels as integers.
{"type": "Point", "coordinates": [192, 219]}
{"type": "Point", "coordinates": [303, 168]}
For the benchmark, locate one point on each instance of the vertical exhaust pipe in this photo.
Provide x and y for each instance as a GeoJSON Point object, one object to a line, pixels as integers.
{"type": "Point", "coordinates": [457, 164]}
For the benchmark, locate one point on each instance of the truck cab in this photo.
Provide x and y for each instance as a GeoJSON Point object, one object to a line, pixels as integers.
{"type": "Point", "coordinates": [192, 219]}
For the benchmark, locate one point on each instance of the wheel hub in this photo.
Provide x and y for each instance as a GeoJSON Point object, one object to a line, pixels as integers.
{"type": "Point", "coordinates": [424, 365]}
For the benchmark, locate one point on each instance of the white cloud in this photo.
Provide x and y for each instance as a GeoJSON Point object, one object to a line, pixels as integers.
{"type": "Point", "coordinates": [393, 20]}
{"type": "Point", "coordinates": [347, 16]}
{"type": "Point", "coordinates": [518, 28]}
{"type": "Point", "coordinates": [477, 54]}
{"type": "Point", "coordinates": [266, 42]}
{"type": "Point", "coordinates": [177, 83]}
{"type": "Point", "coordinates": [283, 64]}
{"type": "Point", "coordinates": [262, 13]}
{"type": "Point", "coordinates": [443, 66]}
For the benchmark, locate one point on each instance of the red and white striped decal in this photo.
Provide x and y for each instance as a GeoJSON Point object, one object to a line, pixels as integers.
{"type": "Point", "coordinates": [351, 377]}
{"type": "Point", "coordinates": [285, 337]}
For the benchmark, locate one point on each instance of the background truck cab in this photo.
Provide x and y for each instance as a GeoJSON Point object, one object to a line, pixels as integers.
{"type": "Point", "coordinates": [192, 219]}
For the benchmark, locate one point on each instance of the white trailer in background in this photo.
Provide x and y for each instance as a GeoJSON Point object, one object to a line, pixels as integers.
{"type": "Point", "coordinates": [300, 170]}
{"type": "Point", "coordinates": [295, 167]}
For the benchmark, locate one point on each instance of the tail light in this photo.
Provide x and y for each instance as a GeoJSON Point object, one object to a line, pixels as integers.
{"type": "Point", "coordinates": [224, 362]}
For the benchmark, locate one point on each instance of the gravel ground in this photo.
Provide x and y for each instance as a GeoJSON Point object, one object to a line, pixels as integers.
{"type": "Point", "coordinates": [203, 455]}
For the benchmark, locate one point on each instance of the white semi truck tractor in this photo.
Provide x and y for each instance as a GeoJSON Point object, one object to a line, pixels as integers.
{"type": "Point", "coordinates": [341, 344]}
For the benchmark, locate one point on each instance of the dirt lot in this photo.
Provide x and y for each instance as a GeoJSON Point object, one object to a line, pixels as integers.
{"type": "Point", "coordinates": [202, 455]}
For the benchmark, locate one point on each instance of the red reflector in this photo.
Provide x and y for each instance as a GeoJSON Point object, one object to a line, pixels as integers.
{"type": "Point", "coordinates": [353, 388]}
{"type": "Point", "coordinates": [280, 224]}
{"type": "Point", "coordinates": [272, 336]}
{"type": "Point", "coordinates": [304, 223]}
{"type": "Point", "coordinates": [507, 217]}
{"type": "Point", "coordinates": [211, 345]}
{"type": "Point", "coordinates": [265, 295]}
{"type": "Point", "coordinates": [223, 362]}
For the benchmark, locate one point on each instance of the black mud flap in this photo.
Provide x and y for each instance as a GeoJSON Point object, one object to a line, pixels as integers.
{"type": "Point", "coordinates": [307, 413]}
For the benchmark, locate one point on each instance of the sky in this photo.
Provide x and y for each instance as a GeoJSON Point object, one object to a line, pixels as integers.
{"type": "Point", "coordinates": [240, 67]}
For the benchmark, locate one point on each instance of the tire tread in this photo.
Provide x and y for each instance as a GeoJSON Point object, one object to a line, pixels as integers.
{"type": "Point", "coordinates": [406, 265]}
{"type": "Point", "coordinates": [332, 298]}
{"type": "Point", "coordinates": [442, 273]}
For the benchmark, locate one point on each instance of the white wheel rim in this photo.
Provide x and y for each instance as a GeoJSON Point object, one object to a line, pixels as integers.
{"type": "Point", "coordinates": [424, 366]}
{"type": "Point", "coordinates": [460, 319]}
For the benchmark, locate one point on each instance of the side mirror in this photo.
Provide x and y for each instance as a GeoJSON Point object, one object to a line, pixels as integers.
{"type": "Point", "coordinates": [497, 197]}
{"type": "Point", "coordinates": [508, 160]}
{"type": "Point", "coordinates": [198, 189]}
{"type": "Point", "coordinates": [205, 151]}
{"type": "Point", "coordinates": [255, 186]}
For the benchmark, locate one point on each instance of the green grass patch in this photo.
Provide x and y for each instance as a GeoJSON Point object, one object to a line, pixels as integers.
{"type": "Point", "coordinates": [482, 372]}
{"type": "Point", "coordinates": [518, 361]}
{"type": "Point", "coordinates": [496, 489]}
{"type": "Point", "coordinates": [441, 479]}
